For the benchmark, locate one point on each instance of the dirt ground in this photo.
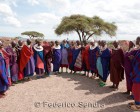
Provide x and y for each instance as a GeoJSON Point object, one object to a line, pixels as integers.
{"type": "Point", "coordinates": [64, 93]}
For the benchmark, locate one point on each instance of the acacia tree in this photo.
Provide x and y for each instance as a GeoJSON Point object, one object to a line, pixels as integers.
{"type": "Point", "coordinates": [85, 26]}
{"type": "Point", "coordinates": [33, 34]}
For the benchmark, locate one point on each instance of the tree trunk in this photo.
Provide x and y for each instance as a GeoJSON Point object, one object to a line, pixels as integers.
{"type": "Point", "coordinates": [79, 35]}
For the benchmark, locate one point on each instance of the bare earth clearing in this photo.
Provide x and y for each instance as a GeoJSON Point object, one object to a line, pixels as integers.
{"type": "Point", "coordinates": [73, 91]}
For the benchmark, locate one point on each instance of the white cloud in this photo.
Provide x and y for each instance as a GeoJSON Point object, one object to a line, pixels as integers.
{"type": "Point", "coordinates": [125, 13]}
{"type": "Point", "coordinates": [33, 2]}
{"type": "Point", "coordinates": [10, 2]}
{"type": "Point", "coordinates": [55, 6]}
{"type": "Point", "coordinates": [5, 10]}
{"type": "Point", "coordinates": [42, 22]}
{"type": "Point", "coordinates": [44, 18]}
{"type": "Point", "coordinates": [12, 21]}
{"type": "Point", "coordinates": [8, 15]}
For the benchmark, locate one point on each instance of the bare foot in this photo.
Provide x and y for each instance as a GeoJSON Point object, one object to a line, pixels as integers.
{"type": "Point", "coordinates": [2, 96]}
{"type": "Point", "coordinates": [116, 89]}
{"type": "Point", "coordinates": [93, 77]}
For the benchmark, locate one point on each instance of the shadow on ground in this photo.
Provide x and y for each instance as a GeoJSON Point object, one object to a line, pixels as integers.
{"type": "Point", "coordinates": [92, 86]}
{"type": "Point", "coordinates": [85, 83]}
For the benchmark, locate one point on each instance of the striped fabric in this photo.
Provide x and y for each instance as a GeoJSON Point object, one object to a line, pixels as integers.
{"type": "Point", "coordinates": [78, 63]}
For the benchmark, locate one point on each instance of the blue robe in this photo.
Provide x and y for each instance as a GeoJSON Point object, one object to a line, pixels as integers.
{"type": "Point", "coordinates": [105, 60]}
{"type": "Point", "coordinates": [99, 65]}
{"type": "Point", "coordinates": [64, 54]}
{"type": "Point", "coordinates": [3, 77]}
{"type": "Point", "coordinates": [93, 59]}
{"type": "Point", "coordinates": [56, 59]}
{"type": "Point", "coordinates": [75, 53]}
{"type": "Point", "coordinates": [135, 75]}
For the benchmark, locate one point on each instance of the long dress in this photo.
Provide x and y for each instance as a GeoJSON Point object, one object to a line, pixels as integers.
{"type": "Point", "coordinates": [13, 63]}
{"type": "Point", "coordinates": [85, 58]}
{"type": "Point", "coordinates": [99, 64]}
{"type": "Point", "coordinates": [56, 58]}
{"type": "Point", "coordinates": [70, 57]}
{"type": "Point", "coordinates": [47, 57]}
{"type": "Point", "coordinates": [135, 75]}
{"type": "Point", "coordinates": [64, 51]}
{"type": "Point", "coordinates": [128, 68]}
{"type": "Point", "coordinates": [116, 66]}
{"type": "Point", "coordinates": [3, 77]}
{"type": "Point", "coordinates": [93, 59]}
{"type": "Point", "coordinates": [27, 64]}
{"type": "Point", "coordinates": [78, 66]}
{"type": "Point", "coordinates": [7, 61]}
{"type": "Point", "coordinates": [39, 59]}
{"type": "Point", "coordinates": [20, 74]}
{"type": "Point", "coordinates": [105, 60]}
{"type": "Point", "coordinates": [77, 59]}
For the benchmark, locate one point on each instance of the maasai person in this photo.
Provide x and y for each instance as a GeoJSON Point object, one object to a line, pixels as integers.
{"type": "Point", "coordinates": [135, 76]}
{"type": "Point", "coordinates": [116, 65]}
{"type": "Point", "coordinates": [52, 44]}
{"type": "Point", "coordinates": [7, 61]}
{"type": "Point", "coordinates": [70, 56]}
{"type": "Point", "coordinates": [27, 65]}
{"type": "Point", "coordinates": [47, 57]}
{"type": "Point", "coordinates": [12, 51]}
{"type": "Point", "coordinates": [64, 53]}
{"type": "Point", "coordinates": [77, 57]}
{"type": "Point", "coordinates": [128, 66]}
{"type": "Point", "coordinates": [98, 63]}
{"type": "Point", "coordinates": [93, 58]}
{"type": "Point", "coordinates": [105, 61]}
{"type": "Point", "coordinates": [85, 59]}
{"type": "Point", "coordinates": [56, 57]}
{"type": "Point", "coordinates": [4, 84]}
{"type": "Point", "coordinates": [19, 47]}
{"type": "Point", "coordinates": [39, 59]}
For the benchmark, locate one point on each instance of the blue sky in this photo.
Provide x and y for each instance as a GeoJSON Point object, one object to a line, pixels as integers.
{"type": "Point", "coordinates": [17, 16]}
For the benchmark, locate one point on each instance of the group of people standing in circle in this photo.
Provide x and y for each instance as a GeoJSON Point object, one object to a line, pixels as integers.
{"type": "Point", "coordinates": [20, 61]}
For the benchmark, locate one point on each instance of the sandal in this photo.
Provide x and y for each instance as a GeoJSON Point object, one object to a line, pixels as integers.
{"type": "Point", "coordinates": [29, 79]}
{"type": "Point", "coordinates": [130, 97]}
{"type": "Point", "coordinates": [135, 108]}
{"type": "Point", "coordinates": [131, 103]}
{"type": "Point", "coordinates": [102, 85]}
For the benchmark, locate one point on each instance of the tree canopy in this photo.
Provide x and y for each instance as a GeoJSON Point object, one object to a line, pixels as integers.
{"type": "Point", "coordinates": [85, 26]}
{"type": "Point", "coordinates": [33, 34]}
